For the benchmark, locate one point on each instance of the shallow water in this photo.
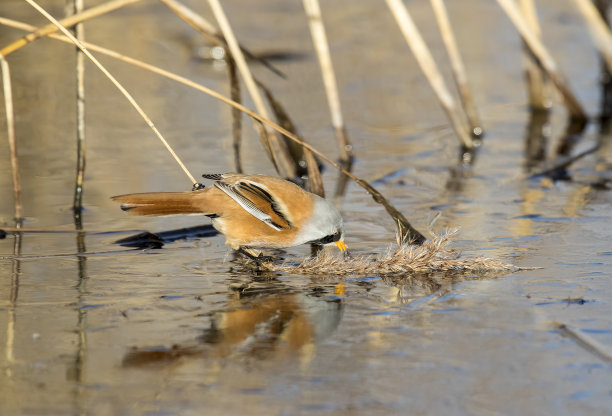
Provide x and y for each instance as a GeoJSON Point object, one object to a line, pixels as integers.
{"type": "Point", "coordinates": [185, 330]}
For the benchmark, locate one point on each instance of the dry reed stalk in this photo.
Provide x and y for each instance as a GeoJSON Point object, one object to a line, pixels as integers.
{"type": "Point", "coordinates": [430, 70]}
{"type": "Point", "coordinates": [544, 58]}
{"type": "Point", "coordinates": [299, 154]}
{"type": "Point", "coordinates": [174, 77]}
{"type": "Point", "coordinates": [75, 7]}
{"type": "Point", "coordinates": [431, 256]}
{"type": "Point", "coordinates": [274, 145]}
{"type": "Point", "coordinates": [319, 39]}
{"type": "Point", "coordinates": [537, 84]}
{"type": "Point", "coordinates": [315, 181]}
{"type": "Point", "coordinates": [599, 30]}
{"type": "Point", "coordinates": [116, 83]}
{"type": "Point", "coordinates": [563, 162]}
{"type": "Point", "coordinates": [10, 124]}
{"type": "Point", "coordinates": [236, 113]}
{"type": "Point", "coordinates": [196, 21]}
{"type": "Point", "coordinates": [283, 130]}
{"type": "Point", "coordinates": [211, 33]}
{"type": "Point", "coordinates": [587, 342]}
{"type": "Point", "coordinates": [457, 66]}
{"type": "Point", "coordinates": [67, 22]}
{"type": "Point", "coordinates": [402, 221]}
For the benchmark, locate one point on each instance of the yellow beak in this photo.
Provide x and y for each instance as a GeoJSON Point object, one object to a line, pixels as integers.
{"type": "Point", "coordinates": [341, 245]}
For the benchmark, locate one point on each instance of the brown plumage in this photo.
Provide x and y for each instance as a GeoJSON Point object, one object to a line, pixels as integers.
{"type": "Point", "coordinates": [167, 203]}
{"type": "Point", "coordinates": [250, 210]}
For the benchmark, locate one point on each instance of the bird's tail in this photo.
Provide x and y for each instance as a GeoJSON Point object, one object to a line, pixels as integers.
{"type": "Point", "coordinates": [165, 203]}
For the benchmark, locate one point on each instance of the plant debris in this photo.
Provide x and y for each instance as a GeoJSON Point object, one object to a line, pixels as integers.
{"type": "Point", "coordinates": [432, 256]}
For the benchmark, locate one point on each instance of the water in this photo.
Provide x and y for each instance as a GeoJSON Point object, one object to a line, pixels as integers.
{"type": "Point", "coordinates": [182, 330]}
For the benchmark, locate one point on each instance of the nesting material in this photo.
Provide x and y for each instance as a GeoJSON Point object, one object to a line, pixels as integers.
{"type": "Point", "coordinates": [432, 256]}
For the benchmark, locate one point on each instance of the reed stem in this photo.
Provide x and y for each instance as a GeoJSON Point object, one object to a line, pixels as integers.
{"type": "Point", "coordinates": [459, 73]}
{"type": "Point", "coordinates": [116, 84]}
{"type": "Point", "coordinates": [537, 84]}
{"type": "Point", "coordinates": [430, 70]}
{"type": "Point", "coordinates": [585, 341]}
{"type": "Point", "coordinates": [67, 22]}
{"type": "Point", "coordinates": [599, 30]}
{"type": "Point", "coordinates": [300, 155]}
{"type": "Point", "coordinates": [377, 196]}
{"type": "Point", "coordinates": [544, 58]}
{"type": "Point", "coordinates": [277, 149]}
{"type": "Point", "coordinates": [75, 7]}
{"type": "Point", "coordinates": [319, 39]}
{"type": "Point", "coordinates": [10, 124]}
{"type": "Point", "coordinates": [236, 113]}
{"type": "Point", "coordinates": [212, 33]}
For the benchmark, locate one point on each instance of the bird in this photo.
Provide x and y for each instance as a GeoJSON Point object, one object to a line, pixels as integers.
{"type": "Point", "coordinates": [253, 212]}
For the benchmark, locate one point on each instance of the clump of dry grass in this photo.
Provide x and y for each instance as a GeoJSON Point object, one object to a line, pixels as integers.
{"type": "Point", "coordinates": [432, 256]}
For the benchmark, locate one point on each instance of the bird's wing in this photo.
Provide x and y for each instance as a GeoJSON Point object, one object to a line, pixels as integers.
{"type": "Point", "coordinates": [256, 201]}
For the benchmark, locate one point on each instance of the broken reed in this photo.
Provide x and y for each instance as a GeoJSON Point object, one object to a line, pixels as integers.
{"type": "Point", "coordinates": [537, 81]}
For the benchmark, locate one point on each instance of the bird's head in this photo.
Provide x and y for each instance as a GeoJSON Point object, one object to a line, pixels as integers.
{"type": "Point", "coordinates": [325, 227]}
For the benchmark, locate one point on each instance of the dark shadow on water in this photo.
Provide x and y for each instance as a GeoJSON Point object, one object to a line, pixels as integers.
{"type": "Point", "coordinates": [157, 240]}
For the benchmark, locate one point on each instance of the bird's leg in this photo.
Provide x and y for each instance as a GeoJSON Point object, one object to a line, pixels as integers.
{"type": "Point", "coordinates": [255, 255]}
{"type": "Point", "coordinates": [250, 252]}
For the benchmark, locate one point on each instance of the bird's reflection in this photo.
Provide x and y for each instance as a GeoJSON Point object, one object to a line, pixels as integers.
{"type": "Point", "coordinates": [262, 319]}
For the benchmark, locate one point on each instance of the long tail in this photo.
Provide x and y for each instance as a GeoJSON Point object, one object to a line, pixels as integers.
{"type": "Point", "coordinates": [165, 203]}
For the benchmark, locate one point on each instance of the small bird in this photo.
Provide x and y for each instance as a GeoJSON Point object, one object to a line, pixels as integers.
{"type": "Point", "coordinates": [252, 211]}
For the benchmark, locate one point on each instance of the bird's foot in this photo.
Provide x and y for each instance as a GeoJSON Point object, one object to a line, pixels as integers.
{"type": "Point", "coordinates": [256, 255]}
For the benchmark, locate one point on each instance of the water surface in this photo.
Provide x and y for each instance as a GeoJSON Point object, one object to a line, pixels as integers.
{"type": "Point", "coordinates": [184, 330]}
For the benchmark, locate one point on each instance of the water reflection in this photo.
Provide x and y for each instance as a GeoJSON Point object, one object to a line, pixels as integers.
{"type": "Point", "coordinates": [571, 137]}
{"type": "Point", "coordinates": [403, 342]}
{"type": "Point", "coordinates": [13, 296]}
{"type": "Point", "coordinates": [536, 139]}
{"type": "Point", "coordinates": [77, 370]}
{"type": "Point", "coordinates": [463, 170]}
{"type": "Point", "coordinates": [265, 319]}
{"type": "Point", "coordinates": [262, 319]}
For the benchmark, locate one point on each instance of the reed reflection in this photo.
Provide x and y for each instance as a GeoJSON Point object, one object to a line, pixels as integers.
{"type": "Point", "coordinates": [536, 139]}
{"type": "Point", "coordinates": [13, 297]}
{"type": "Point", "coordinates": [463, 170]}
